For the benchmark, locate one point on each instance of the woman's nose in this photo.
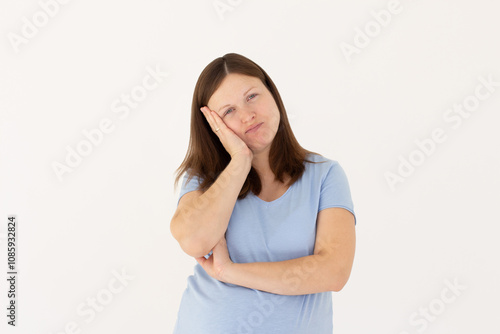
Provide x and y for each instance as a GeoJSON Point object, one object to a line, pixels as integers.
{"type": "Point", "coordinates": [247, 115]}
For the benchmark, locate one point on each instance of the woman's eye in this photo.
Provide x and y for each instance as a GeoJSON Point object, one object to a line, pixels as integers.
{"type": "Point", "coordinates": [252, 96]}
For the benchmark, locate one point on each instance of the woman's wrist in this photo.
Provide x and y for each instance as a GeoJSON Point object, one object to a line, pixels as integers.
{"type": "Point", "coordinates": [228, 271]}
{"type": "Point", "coordinates": [244, 155]}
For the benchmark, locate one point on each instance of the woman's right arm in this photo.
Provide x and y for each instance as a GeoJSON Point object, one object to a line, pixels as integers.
{"type": "Point", "coordinates": [201, 219]}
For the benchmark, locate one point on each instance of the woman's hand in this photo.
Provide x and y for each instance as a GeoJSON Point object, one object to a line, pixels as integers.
{"type": "Point", "coordinates": [218, 262]}
{"type": "Point", "coordinates": [232, 143]}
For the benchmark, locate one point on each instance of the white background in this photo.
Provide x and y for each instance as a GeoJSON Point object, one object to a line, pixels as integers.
{"type": "Point", "coordinates": [111, 213]}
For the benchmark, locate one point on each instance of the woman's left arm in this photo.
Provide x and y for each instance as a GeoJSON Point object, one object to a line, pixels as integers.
{"type": "Point", "coordinates": [328, 269]}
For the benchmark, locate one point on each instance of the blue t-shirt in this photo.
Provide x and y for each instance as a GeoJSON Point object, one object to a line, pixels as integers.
{"type": "Point", "coordinates": [260, 231]}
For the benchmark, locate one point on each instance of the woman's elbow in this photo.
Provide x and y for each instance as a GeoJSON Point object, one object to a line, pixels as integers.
{"type": "Point", "coordinates": [194, 248]}
{"type": "Point", "coordinates": [339, 280]}
{"type": "Point", "coordinates": [336, 286]}
{"type": "Point", "coordinates": [191, 245]}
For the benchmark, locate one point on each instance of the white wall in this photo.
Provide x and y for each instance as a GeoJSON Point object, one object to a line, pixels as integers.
{"type": "Point", "coordinates": [438, 225]}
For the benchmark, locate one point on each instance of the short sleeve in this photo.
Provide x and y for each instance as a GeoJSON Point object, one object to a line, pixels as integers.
{"type": "Point", "coordinates": [335, 190]}
{"type": "Point", "coordinates": [192, 185]}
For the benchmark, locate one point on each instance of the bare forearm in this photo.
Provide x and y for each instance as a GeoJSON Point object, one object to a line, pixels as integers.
{"type": "Point", "coordinates": [202, 222]}
{"type": "Point", "coordinates": [304, 275]}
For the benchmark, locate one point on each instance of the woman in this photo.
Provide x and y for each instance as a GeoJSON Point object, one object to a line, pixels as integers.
{"type": "Point", "coordinates": [270, 224]}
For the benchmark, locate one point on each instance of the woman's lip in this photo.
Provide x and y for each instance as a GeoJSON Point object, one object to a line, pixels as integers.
{"type": "Point", "coordinates": [254, 128]}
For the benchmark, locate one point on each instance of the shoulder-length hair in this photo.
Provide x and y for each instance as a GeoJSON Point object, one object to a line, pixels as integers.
{"type": "Point", "coordinates": [206, 157]}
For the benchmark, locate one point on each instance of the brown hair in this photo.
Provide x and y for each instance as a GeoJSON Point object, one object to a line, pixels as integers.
{"type": "Point", "coordinates": [206, 156]}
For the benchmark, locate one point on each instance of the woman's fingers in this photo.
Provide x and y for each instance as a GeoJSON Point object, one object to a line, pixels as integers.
{"type": "Point", "coordinates": [211, 118]}
{"type": "Point", "coordinates": [216, 121]}
{"type": "Point", "coordinates": [232, 143]}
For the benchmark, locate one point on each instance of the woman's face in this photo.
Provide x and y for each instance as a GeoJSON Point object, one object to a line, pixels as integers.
{"type": "Point", "coordinates": [244, 102]}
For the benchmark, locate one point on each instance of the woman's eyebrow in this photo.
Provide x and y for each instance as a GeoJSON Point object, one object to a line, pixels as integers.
{"type": "Point", "coordinates": [227, 105]}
